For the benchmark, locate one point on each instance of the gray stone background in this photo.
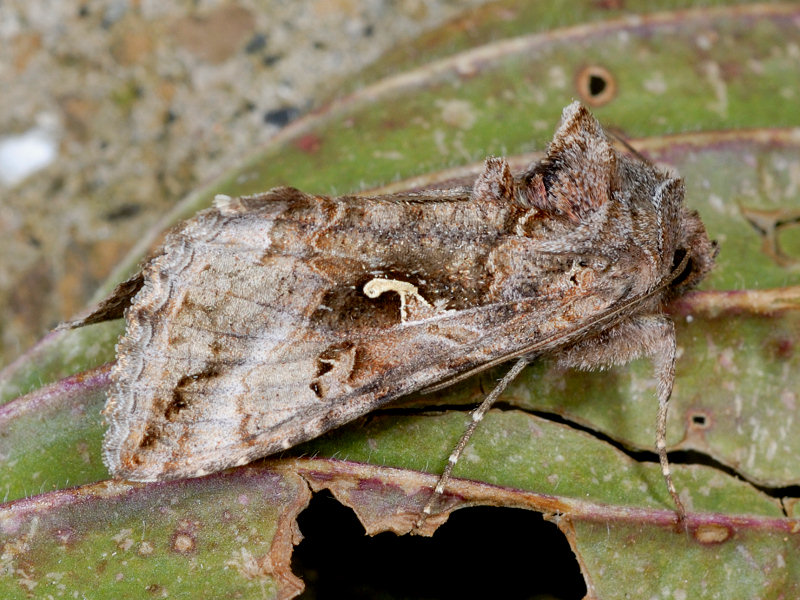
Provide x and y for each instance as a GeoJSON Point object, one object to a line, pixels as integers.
{"type": "Point", "coordinates": [137, 102]}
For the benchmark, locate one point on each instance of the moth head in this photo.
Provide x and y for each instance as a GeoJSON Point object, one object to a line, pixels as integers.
{"type": "Point", "coordinates": [701, 251]}
{"type": "Point", "coordinates": [683, 242]}
{"type": "Point", "coordinates": [576, 175]}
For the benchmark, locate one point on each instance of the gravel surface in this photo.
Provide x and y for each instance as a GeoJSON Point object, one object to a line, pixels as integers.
{"type": "Point", "coordinates": [113, 110]}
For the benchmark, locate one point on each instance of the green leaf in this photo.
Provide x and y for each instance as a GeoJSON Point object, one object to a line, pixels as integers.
{"type": "Point", "coordinates": [710, 92]}
{"type": "Point", "coordinates": [228, 535]}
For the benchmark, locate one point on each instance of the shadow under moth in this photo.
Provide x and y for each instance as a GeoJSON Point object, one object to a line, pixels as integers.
{"type": "Point", "coordinates": [269, 319]}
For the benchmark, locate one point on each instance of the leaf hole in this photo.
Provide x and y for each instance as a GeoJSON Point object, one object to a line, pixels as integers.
{"type": "Point", "coordinates": [512, 553]}
{"type": "Point", "coordinates": [699, 420]}
{"type": "Point", "coordinates": [596, 85]}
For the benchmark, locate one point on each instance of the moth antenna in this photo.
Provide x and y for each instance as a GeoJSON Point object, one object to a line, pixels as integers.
{"type": "Point", "coordinates": [629, 147]}
{"type": "Point", "coordinates": [477, 417]}
{"type": "Point", "coordinates": [112, 307]}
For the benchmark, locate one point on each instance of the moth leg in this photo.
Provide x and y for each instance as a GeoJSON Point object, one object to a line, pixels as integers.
{"type": "Point", "coordinates": [652, 336]}
{"type": "Point", "coordinates": [477, 417]}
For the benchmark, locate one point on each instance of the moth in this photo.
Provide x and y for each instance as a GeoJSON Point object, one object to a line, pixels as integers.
{"type": "Point", "coordinates": [268, 320]}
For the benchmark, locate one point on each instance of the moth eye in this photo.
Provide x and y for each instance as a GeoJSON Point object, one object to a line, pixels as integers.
{"type": "Point", "coordinates": [677, 259]}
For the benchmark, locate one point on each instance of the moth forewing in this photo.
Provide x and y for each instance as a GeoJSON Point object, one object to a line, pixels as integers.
{"type": "Point", "coordinates": [269, 319]}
